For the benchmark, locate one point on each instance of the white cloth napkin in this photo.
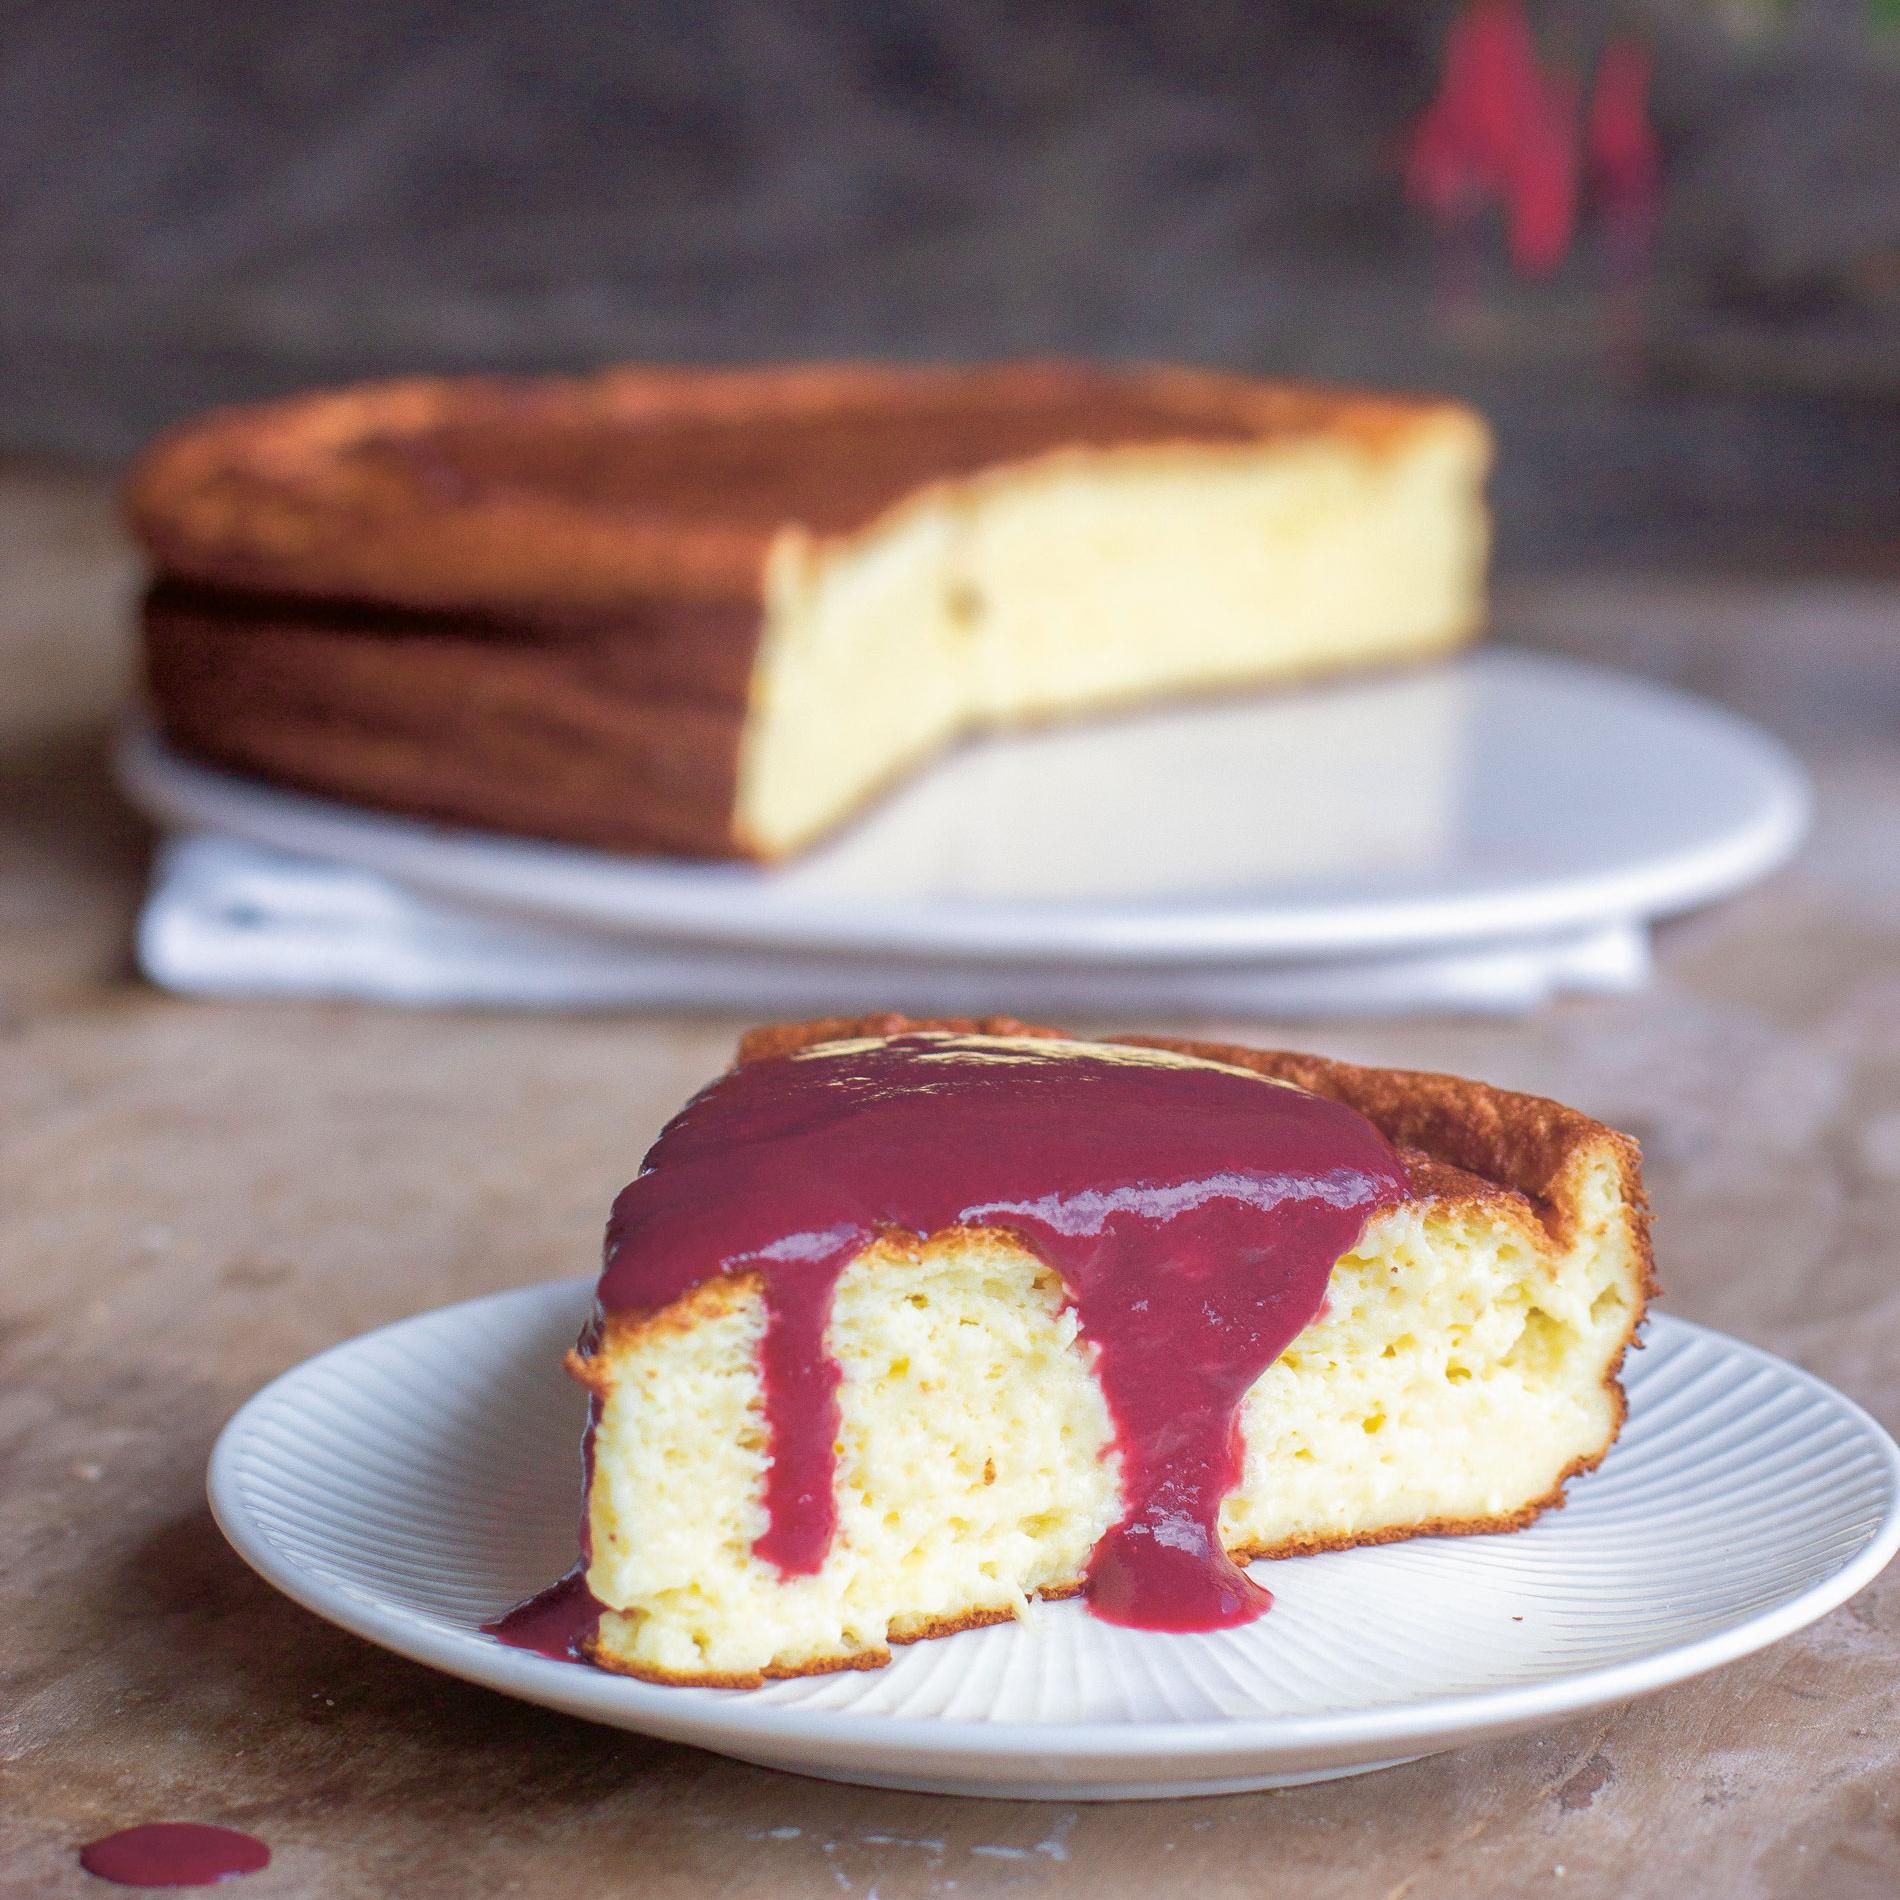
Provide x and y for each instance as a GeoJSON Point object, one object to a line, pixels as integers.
{"type": "Point", "coordinates": [228, 918]}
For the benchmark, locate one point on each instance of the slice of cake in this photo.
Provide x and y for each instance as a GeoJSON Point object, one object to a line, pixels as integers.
{"type": "Point", "coordinates": [714, 612]}
{"type": "Point", "coordinates": [904, 1324]}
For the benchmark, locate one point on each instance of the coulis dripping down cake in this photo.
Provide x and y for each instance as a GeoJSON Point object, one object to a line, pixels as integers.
{"type": "Point", "coordinates": [904, 1324]}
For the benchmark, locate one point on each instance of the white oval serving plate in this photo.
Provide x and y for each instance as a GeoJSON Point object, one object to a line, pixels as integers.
{"type": "Point", "coordinates": [415, 1482]}
{"type": "Point", "coordinates": [1504, 795]}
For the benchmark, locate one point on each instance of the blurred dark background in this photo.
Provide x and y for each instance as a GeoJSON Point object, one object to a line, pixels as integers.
{"type": "Point", "coordinates": [203, 202]}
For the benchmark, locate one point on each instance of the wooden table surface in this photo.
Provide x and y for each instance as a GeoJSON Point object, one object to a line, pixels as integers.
{"type": "Point", "coordinates": [194, 1196]}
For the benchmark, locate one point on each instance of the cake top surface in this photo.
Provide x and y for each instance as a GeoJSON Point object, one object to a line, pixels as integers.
{"type": "Point", "coordinates": [481, 492]}
{"type": "Point", "coordinates": [925, 1128]}
{"type": "Point", "coordinates": [1460, 1139]}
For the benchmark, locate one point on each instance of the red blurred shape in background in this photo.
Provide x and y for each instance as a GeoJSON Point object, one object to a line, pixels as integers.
{"type": "Point", "coordinates": [1620, 145]}
{"type": "Point", "coordinates": [1504, 130]}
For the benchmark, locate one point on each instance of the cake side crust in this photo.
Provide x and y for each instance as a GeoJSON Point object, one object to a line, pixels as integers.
{"type": "Point", "coordinates": [622, 733]}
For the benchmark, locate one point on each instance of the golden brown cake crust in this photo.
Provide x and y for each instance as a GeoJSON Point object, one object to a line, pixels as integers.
{"type": "Point", "coordinates": [588, 492]}
{"type": "Point", "coordinates": [1462, 1141]}
{"type": "Point", "coordinates": [620, 731]}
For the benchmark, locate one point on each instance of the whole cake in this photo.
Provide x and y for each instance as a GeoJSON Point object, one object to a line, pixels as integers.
{"type": "Point", "coordinates": [713, 612]}
{"type": "Point", "coordinates": [904, 1324]}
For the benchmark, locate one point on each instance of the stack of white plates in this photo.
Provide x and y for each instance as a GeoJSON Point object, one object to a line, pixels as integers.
{"type": "Point", "coordinates": [1480, 834]}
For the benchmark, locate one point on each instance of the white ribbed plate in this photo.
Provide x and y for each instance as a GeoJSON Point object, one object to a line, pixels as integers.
{"type": "Point", "coordinates": [415, 1482]}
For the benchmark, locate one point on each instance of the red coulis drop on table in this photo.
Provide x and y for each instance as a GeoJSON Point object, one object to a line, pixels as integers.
{"type": "Point", "coordinates": [174, 1854]}
{"type": "Point", "coordinates": [1193, 1211]}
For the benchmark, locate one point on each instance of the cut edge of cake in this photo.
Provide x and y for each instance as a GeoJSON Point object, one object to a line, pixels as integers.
{"type": "Point", "coordinates": [1520, 1172]}
{"type": "Point", "coordinates": [1082, 581]}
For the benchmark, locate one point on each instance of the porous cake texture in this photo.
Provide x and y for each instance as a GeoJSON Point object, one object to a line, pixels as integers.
{"type": "Point", "coordinates": [1464, 1367]}
{"type": "Point", "coordinates": [715, 612]}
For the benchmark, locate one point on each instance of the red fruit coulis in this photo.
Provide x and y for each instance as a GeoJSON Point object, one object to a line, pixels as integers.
{"type": "Point", "coordinates": [174, 1854]}
{"type": "Point", "coordinates": [1193, 1211]}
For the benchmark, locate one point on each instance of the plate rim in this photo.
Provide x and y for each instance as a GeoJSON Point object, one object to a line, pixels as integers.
{"type": "Point", "coordinates": [715, 1718]}
{"type": "Point", "coordinates": [489, 870]}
